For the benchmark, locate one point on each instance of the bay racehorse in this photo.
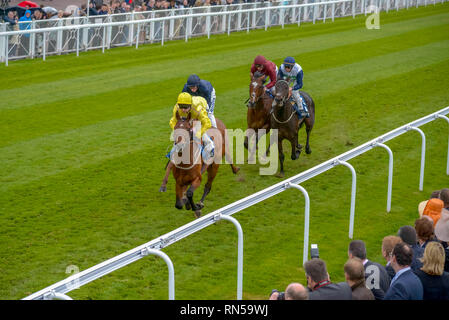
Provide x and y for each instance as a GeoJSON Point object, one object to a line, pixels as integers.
{"type": "Point", "coordinates": [188, 170]}
{"type": "Point", "coordinates": [258, 114]}
{"type": "Point", "coordinates": [284, 118]}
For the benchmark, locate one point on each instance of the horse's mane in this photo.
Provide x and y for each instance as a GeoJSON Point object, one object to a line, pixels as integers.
{"type": "Point", "coordinates": [258, 74]}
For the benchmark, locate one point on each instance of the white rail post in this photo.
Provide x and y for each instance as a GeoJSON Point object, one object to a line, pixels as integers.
{"type": "Point", "coordinates": [44, 41]}
{"type": "Point", "coordinates": [390, 173]}
{"type": "Point", "coordinates": [423, 156]}
{"type": "Point", "coordinates": [447, 165]}
{"type": "Point", "coordinates": [239, 251]}
{"type": "Point", "coordinates": [52, 295]}
{"type": "Point", "coordinates": [163, 33]}
{"type": "Point", "coordinates": [239, 18]}
{"type": "Point", "coordinates": [78, 42]}
{"type": "Point", "coordinates": [6, 50]}
{"type": "Point", "coordinates": [208, 24]}
{"type": "Point", "coordinates": [33, 40]}
{"type": "Point", "coordinates": [171, 270]}
{"type": "Point", "coordinates": [305, 251]}
{"type": "Point", "coordinates": [229, 23]}
{"type": "Point", "coordinates": [353, 191]}
{"type": "Point", "coordinates": [103, 43]}
{"type": "Point", "coordinates": [138, 34]}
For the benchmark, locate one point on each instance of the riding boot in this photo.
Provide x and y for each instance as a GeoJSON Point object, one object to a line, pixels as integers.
{"type": "Point", "coordinates": [212, 120]}
{"type": "Point", "coordinates": [208, 151]}
{"type": "Point", "coordinates": [299, 105]}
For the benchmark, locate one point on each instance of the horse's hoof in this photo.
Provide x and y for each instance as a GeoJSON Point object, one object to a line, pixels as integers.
{"type": "Point", "coordinates": [178, 206]}
{"type": "Point", "coordinates": [308, 150]}
{"type": "Point", "coordinates": [197, 213]}
{"type": "Point", "coordinates": [280, 175]}
{"type": "Point", "coordinates": [235, 170]}
{"type": "Point", "coordinates": [296, 155]}
{"type": "Point", "coordinates": [163, 189]}
{"type": "Point", "coordinates": [188, 206]}
{"type": "Point", "coordinates": [199, 206]}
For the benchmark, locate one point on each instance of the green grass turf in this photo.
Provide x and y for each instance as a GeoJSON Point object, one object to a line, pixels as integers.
{"type": "Point", "coordinates": [83, 143]}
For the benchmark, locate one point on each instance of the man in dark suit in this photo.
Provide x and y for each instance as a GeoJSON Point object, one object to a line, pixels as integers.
{"type": "Point", "coordinates": [376, 276]}
{"type": "Point", "coordinates": [408, 235]}
{"type": "Point", "coordinates": [319, 285]}
{"type": "Point", "coordinates": [405, 285]}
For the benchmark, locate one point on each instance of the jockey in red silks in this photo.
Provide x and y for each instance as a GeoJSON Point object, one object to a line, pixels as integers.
{"type": "Point", "coordinates": [267, 68]}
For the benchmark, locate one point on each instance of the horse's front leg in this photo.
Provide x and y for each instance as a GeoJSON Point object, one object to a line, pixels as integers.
{"type": "Point", "coordinates": [296, 151]}
{"type": "Point", "coordinates": [168, 168]}
{"type": "Point", "coordinates": [179, 196]}
{"type": "Point", "coordinates": [308, 150]}
{"type": "Point", "coordinates": [195, 184]}
{"type": "Point", "coordinates": [281, 159]}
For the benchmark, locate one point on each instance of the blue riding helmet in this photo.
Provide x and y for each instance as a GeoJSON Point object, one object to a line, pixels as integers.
{"type": "Point", "coordinates": [289, 61]}
{"type": "Point", "coordinates": [193, 81]}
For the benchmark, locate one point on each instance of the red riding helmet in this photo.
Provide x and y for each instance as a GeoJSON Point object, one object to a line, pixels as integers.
{"type": "Point", "coordinates": [260, 60]}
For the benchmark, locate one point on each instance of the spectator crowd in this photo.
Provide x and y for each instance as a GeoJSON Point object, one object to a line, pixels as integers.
{"type": "Point", "coordinates": [416, 264]}
{"type": "Point", "coordinates": [106, 7]}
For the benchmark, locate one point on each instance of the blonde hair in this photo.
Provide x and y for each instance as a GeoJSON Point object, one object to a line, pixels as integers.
{"type": "Point", "coordinates": [433, 259]}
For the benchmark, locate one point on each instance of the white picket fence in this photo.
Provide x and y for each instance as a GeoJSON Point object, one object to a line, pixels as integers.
{"type": "Point", "coordinates": [59, 36]}
{"type": "Point", "coordinates": [155, 246]}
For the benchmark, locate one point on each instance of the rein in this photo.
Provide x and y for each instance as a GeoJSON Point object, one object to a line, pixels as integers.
{"type": "Point", "coordinates": [282, 122]}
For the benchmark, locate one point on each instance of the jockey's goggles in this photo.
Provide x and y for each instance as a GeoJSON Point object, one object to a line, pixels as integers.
{"type": "Point", "coordinates": [289, 66]}
{"type": "Point", "coordinates": [184, 106]}
{"type": "Point", "coordinates": [258, 66]}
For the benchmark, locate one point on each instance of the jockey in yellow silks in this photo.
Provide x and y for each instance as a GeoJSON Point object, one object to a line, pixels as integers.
{"type": "Point", "coordinates": [197, 107]}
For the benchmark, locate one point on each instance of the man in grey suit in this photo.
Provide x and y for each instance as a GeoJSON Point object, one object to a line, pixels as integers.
{"type": "Point", "coordinates": [405, 285]}
{"type": "Point", "coordinates": [319, 285]}
{"type": "Point", "coordinates": [376, 276]}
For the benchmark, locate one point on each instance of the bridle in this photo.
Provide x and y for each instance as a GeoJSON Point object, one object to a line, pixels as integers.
{"type": "Point", "coordinates": [252, 100]}
{"type": "Point", "coordinates": [179, 147]}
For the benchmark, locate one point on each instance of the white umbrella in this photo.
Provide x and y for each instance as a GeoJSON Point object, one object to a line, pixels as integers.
{"type": "Point", "coordinates": [49, 10]}
{"type": "Point", "coordinates": [72, 9]}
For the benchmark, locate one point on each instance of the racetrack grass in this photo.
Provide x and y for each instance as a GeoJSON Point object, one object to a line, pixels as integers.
{"type": "Point", "coordinates": [83, 143]}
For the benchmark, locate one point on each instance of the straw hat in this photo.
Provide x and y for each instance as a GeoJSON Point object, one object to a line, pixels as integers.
{"type": "Point", "coordinates": [442, 226]}
{"type": "Point", "coordinates": [421, 207]}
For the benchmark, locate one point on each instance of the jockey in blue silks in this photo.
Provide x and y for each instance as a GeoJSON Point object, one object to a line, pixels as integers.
{"type": "Point", "coordinates": [203, 88]}
{"type": "Point", "coordinates": [292, 72]}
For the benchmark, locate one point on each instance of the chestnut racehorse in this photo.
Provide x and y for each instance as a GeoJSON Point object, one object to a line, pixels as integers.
{"type": "Point", "coordinates": [259, 106]}
{"type": "Point", "coordinates": [285, 119]}
{"type": "Point", "coordinates": [190, 173]}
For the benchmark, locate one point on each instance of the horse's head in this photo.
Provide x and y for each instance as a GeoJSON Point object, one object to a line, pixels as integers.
{"type": "Point", "coordinates": [281, 91]}
{"type": "Point", "coordinates": [255, 89]}
{"type": "Point", "coordinates": [183, 132]}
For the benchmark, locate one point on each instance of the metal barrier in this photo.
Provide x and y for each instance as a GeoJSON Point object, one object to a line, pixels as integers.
{"type": "Point", "coordinates": [154, 246]}
{"type": "Point", "coordinates": [58, 36]}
